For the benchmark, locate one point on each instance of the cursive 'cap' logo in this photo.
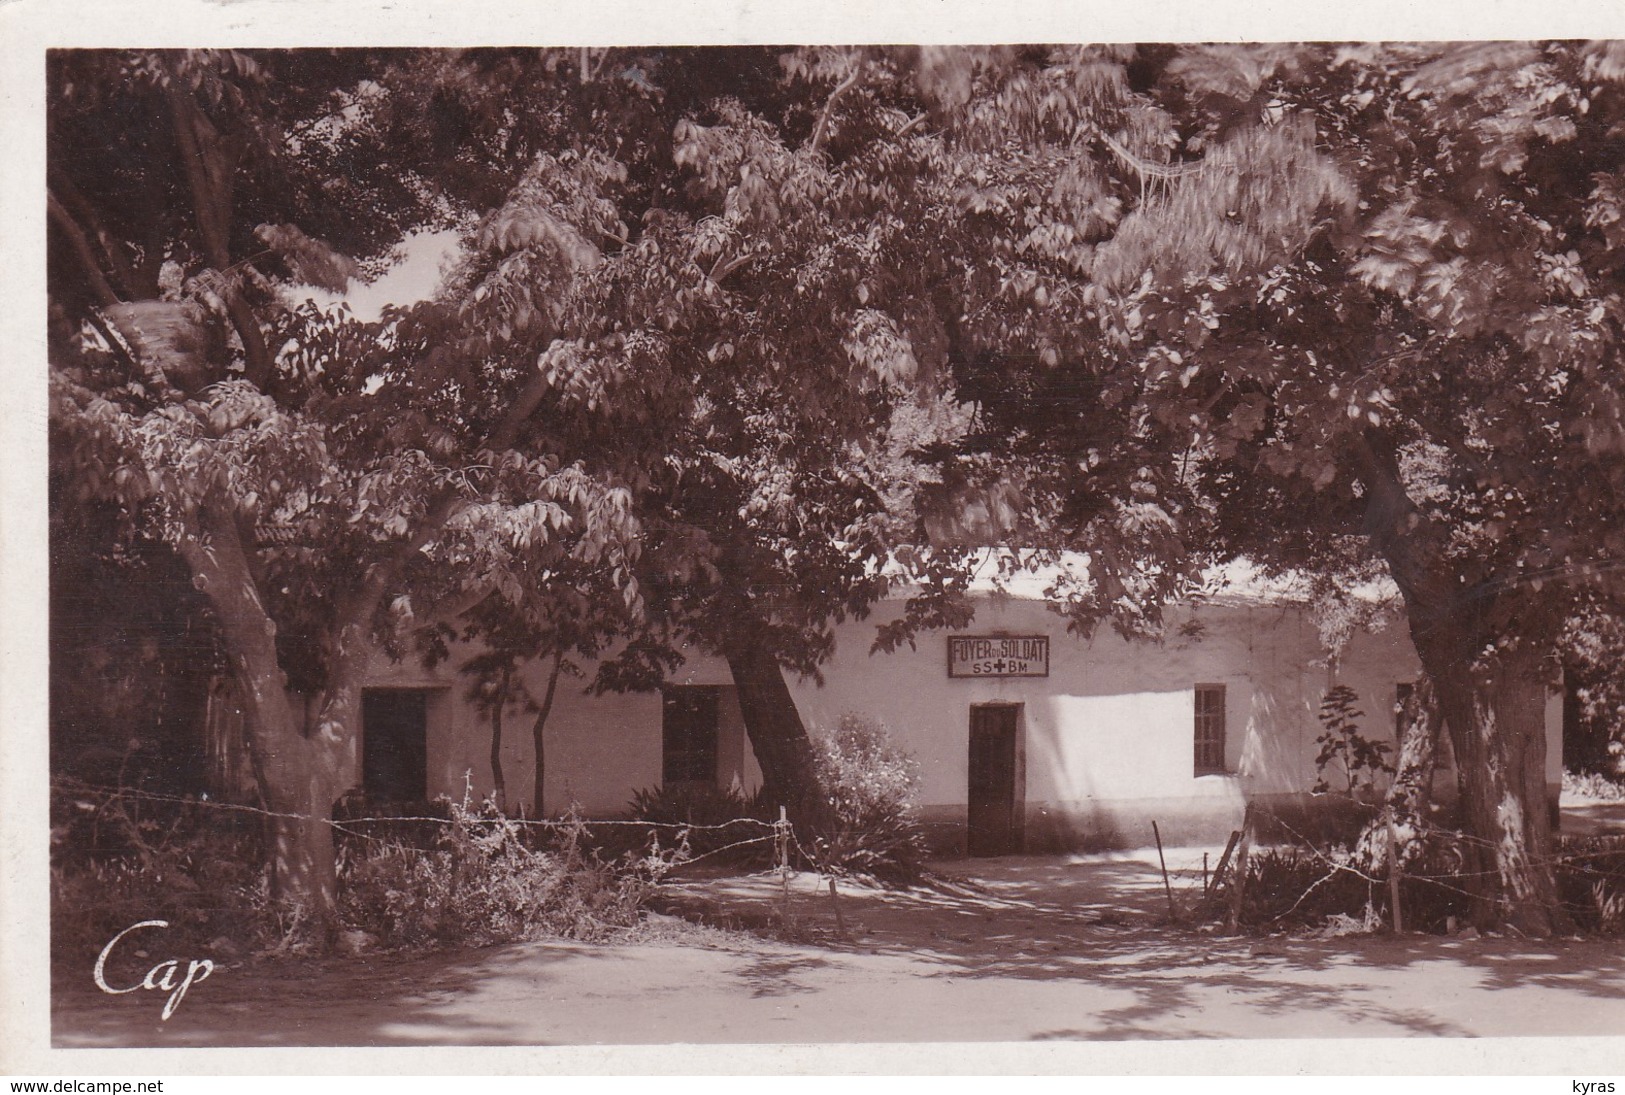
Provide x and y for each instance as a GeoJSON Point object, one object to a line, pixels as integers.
{"type": "Point", "coordinates": [162, 976]}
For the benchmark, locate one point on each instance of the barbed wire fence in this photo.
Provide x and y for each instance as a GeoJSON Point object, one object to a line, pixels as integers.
{"type": "Point", "coordinates": [1404, 858]}
{"type": "Point", "coordinates": [776, 837]}
{"type": "Point", "coordinates": [1438, 861]}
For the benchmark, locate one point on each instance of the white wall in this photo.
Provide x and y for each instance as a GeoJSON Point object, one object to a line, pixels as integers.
{"type": "Point", "coordinates": [1115, 719]}
{"type": "Point", "coordinates": [599, 749]}
{"type": "Point", "coordinates": [1107, 735]}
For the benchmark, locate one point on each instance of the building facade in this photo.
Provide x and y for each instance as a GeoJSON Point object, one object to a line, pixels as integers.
{"type": "Point", "coordinates": [1027, 738]}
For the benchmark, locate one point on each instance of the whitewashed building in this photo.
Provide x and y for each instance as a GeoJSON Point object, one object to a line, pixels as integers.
{"type": "Point", "coordinates": [1027, 738]}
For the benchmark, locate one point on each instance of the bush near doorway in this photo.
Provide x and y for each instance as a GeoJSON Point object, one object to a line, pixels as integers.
{"type": "Point", "coordinates": [868, 786]}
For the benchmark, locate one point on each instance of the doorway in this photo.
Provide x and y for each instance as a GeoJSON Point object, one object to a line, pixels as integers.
{"type": "Point", "coordinates": [395, 744]}
{"type": "Point", "coordinates": [994, 795]}
{"type": "Point", "coordinates": [688, 735]}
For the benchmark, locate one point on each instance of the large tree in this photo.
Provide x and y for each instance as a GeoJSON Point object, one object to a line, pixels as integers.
{"type": "Point", "coordinates": [328, 484]}
{"type": "Point", "coordinates": [1337, 306]}
{"type": "Point", "coordinates": [669, 304]}
{"type": "Point", "coordinates": [776, 298]}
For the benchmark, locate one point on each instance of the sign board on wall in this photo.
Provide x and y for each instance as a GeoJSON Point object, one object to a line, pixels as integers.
{"type": "Point", "coordinates": [998, 656]}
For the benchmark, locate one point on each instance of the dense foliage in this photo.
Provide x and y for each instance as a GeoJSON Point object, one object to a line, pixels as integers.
{"type": "Point", "coordinates": [735, 327]}
{"type": "Point", "coordinates": [869, 785]}
{"type": "Point", "coordinates": [472, 877]}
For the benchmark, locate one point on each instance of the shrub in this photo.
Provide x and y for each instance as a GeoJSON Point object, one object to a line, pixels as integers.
{"type": "Point", "coordinates": [484, 882]}
{"type": "Point", "coordinates": [482, 878]}
{"type": "Point", "coordinates": [718, 823]}
{"type": "Point", "coordinates": [1591, 882]}
{"type": "Point", "coordinates": [868, 785]}
{"type": "Point", "coordinates": [117, 860]}
{"type": "Point", "coordinates": [1292, 887]}
{"type": "Point", "coordinates": [1594, 785]}
{"type": "Point", "coordinates": [1295, 887]}
{"type": "Point", "coordinates": [1361, 760]}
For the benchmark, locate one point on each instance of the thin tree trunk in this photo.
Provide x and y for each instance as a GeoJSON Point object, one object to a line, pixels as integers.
{"type": "Point", "coordinates": [538, 736]}
{"type": "Point", "coordinates": [499, 789]}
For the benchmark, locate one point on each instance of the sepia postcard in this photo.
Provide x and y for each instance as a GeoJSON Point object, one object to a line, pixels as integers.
{"type": "Point", "coordinates": [743, 539]}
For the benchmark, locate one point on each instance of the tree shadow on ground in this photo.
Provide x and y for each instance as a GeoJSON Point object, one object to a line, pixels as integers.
{"type": "Point", "coordinates": [775, 975]}
{"type": "Point", "coordinates": [288, 1002]}
{"type": "Point", "coordinates": [1097, 929]}
{"type": "Point", "coordinates": [1106, 921]}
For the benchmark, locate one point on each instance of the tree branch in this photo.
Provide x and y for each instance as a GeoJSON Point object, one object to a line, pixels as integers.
{"type": "Point", "coordinates": [62, 186]}
{"type": "Point", "coordinates": [908, 125]}
{"type": "Point", "coordinates": [100, 288]}
{"type": "Point", "coordinates": [720, 269]}
{"type": "Point", "coordinates": [842, 88]}
{"type": "Point", "coordinates": [208, 175]}
{"type": "Point", "coordinates": [1402, 534]}
{"type": "Point", "coordinates": [256, 354]}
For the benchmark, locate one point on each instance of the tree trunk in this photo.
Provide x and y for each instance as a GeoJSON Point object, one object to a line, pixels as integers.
{"type": "Point", "coordinates": [1496, 720]}
{"type": "Point", "coordinates": [304, 872]}
{"type": "Point", "coordinates": [302, 774]}
{"type": "Point", "coordinates": [301, 777]}
{"type": "Point", "coordinates": [776, 732]}
{"type": "Point", "coordinates": [499, 788]}
{"type": "Point", "coordinates": [1494, 706]}
{"type": "Point", "coordinates": [538, 737]}
{"type": "Point", "coordinates": [305, 773]}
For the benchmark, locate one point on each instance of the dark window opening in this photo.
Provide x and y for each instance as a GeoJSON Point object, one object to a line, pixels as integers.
{"type": "Point", "coordinates": [395, 744]}
{"type": "Point", "coordinates": [1210, 729]}
{"type": "Point", "coordinates": [688, 727]}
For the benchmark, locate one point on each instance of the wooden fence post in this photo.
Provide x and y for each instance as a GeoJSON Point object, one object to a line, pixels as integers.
{"type": "Point", "coordinates": [1224, 860]}
{"type": "Point", "coordinates": [1393, 871]}
{"type": "Point", "coordinates": [840, 923]}
{"type": "Point", "coordinates": [783, 828]}
{"type": "Point", "coordinates": [1173, 913]}
{"type": "Point", "coordinates": [1238, 888]}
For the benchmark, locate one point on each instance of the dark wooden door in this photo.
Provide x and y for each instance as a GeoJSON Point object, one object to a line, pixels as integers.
{"type": "Point", "coordinates": [395, 744]}
{"type": "Point", "coordinates": [993, 816]}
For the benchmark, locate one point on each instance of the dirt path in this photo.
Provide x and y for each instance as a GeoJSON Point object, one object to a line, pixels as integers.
{"type": "Point", "coordinates": [1050, 948]}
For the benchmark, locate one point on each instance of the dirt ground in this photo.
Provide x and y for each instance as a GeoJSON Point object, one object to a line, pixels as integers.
{"type": "Point", "coordinates": [1034, 949]}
